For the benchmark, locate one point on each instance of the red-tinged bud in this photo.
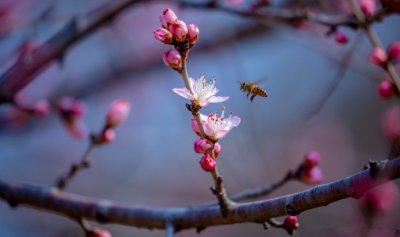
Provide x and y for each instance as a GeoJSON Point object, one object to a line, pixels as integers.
{"type": "Point", "coordinates": [394, 51]}
{"type": "Point", "coordinates": [167, 18]}
{"type": "Point", "coordinates": [378, 56]}
{"type": "Point", "coordinates": [235, 2]}
{"type": "Point", "coordinates": [386, 89]}
{"type": "Point", "coordinates": [290, 224]}
{"type": "Point", "coordinates": [391, 122]}
{"type": "Point", "coordinates": [193, 33]}
{"type": "Point", "coordinates": [381, 199]}
{"type": "Point", "coordinates": [76, 128]}
{"type": "Point", "coordinates": [117, 113]}
{"type": "Point", "coordinates": [195, 127]}
{"type": "Point", "coordinates": [202, 145]}
{"type": "Point", "coordinates": [41, 109]}
{"type": "Point", "coordinates": [341, 37]}
{"type": "Point", "coordinates": [217, 149]}
{"type": "Point", "coordinates": [207, 163]}
{"type": "Point", "coordinates": [368, 7]}
{"type": "Point", "coordinates": [108, 136]}
{"type": "Point", "coordinates": [311, 175]}
{"type": "Point", "coordinates": [179, 30]}
{"type": "Point", "coordinates": [163, 35]}
{"type": "Point", "coordinates": [173, 59]}
{"type": "Point", "coordinates": [99, 233]}
{"type": "Point", "coordinates": [311, 159]}
{"type": "Point", "coordinates": [71, 106]}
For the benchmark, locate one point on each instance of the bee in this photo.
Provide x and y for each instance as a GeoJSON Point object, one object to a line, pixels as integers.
{"type": "Point", "coordinates": [253, 89]}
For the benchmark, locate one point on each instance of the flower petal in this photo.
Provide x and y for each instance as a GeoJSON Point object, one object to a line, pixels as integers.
{"type": "Point", "coordinates": [207, 129]}
{"type": "Point", "coordinates": [185, 93]}
{"type": "Point", "coordinates": [216, 99]}
{"type": "Point", "coordinates": [235, 120]}
{"type": "Point", "coordinates": [221, 133]}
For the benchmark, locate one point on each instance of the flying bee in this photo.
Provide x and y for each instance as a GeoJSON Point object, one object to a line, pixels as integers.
{"type": "Point", "coordinates": [253, 89]}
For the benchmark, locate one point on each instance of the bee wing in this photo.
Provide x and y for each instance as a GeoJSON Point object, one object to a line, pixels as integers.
{"type": "Point", "coordinates": [260, 81]}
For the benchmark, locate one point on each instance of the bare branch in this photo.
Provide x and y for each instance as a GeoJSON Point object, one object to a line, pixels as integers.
{"type": "Point", "coordinates": [75, 206]}
{"type": "Point", "coordinates": [24, 71]}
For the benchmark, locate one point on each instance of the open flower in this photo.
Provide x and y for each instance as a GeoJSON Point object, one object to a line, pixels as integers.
{"type": "Point", "coordinates": [215, 127]}
{"type": "Point", "coordinates": [203, 92]}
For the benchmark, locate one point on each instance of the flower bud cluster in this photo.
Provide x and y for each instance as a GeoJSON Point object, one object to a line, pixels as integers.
{"type": "Point", "coordinates": [309, 172]}
{"type": "Point", "coordinates": [72, 111]}
{"type": "Point", "coordinates": [177, 33]}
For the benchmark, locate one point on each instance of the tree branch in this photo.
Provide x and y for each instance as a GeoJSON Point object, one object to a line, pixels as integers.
{"type": "Point", "coordinates": [75, 206]}
{"type": "Point", "coordinates": [24, 71]}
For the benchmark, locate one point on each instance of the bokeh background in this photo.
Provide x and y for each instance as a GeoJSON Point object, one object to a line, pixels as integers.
{"type": "Point", "coordinates": [316, 101]}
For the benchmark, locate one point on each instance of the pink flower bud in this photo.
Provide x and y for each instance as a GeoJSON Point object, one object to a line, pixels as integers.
{"type": "Point", "coordinates": [71, 106]}
{"type": "Point", "coordinates": [107, 136]}
{"type": "Point", "coordinates": [235, 2]}
{"type": "Point", "coordinates": [207, 163]}
{"type": "Point", "coordinates": [41, 108]}
{"type": "Point", "coordinates": [391, 122]}
{"type": "Point", "coordinates": [195, 127]}
{"type": "Point", "coordinates": [290, 224]}
{"type": "Point", "coordinates": [167, 18]}
{"type": "Point", "coordinates": [368, 7]}
{"type": "Point", "coordinates": [173, 59]}
{"type": "Point", "coordinates": [202, 145]}
{"type": "Point", "coordinates": [217, 149]}
{"type": "Point", "coordinates": [381, 199]}
{"type": "Point", "coordinates": [311, 175]}
{"type": "Point", "coordinates": [117, 112]}
{"type": "Point", "coordinates": [76, 128]}
{"type": "Point", "coordinates": [394, 51]}
{"type": "Point", "coordinates": [311, 159]}
{"type": "Point", "coordinates": [341, 37]}
{"type": "Point", "coordinates": [99, 233]}
{"type": "Point", "coordinates": [163, 35]}
{"type": "Point", "coordinates": [193, 33]}
{"type": "Point", "coordinates": [386, 89]}
{"type": "Point", "coordinates": [378, 56]}
{"type": "Point", "coordinates": [179, 30]}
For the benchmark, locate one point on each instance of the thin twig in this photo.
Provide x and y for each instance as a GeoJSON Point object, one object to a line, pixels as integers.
{"type": "Point", "coordinates": [22, 72]}
{"type": "Point", "coordinates": [84, 163]}
{"type": "Point", "coordinates": [169, 229]}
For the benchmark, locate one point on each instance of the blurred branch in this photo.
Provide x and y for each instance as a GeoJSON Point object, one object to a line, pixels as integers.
{"type": "Point", "coordinates": [84, 163]}
{"type": "Point", "coordinates": [287, 15]}
{"type": "Point", "coordinates": [75, 206]}
{"type": "Point", "coordinates": [24, 71]}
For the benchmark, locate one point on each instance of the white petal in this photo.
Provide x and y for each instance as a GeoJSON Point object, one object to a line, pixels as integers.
{"type": "Point", "coordinates": [204, 102]}
{"type": "Point", "coordinates": [185, 93]}
{"type": "Point", "coordinates": [235, 120]}
{"type": "Point", "coordinates": [221, 133]}
{"type": "Point", "coordinates": [216, 99]}
{"type": "Point", "coordinates": [191, 82]}
{"type": "Point", "coordinates": [208, 130]}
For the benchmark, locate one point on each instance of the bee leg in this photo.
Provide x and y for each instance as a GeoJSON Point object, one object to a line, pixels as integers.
{"type": "Point", "coordinates": [252, 98]}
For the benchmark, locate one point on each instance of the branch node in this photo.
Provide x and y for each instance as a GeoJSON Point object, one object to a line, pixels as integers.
{"type": "Point", "coordinates": [376, 168]}
{"type": "Point", "coordinates": [199, 229]}
{"type": "Point", "coordinates": [100, 217]}
{"type": "Point", "coordinates": [290, 210]}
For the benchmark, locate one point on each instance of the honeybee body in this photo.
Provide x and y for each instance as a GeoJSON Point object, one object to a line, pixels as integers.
{"type": "Point", "coordinates": [252, 89]}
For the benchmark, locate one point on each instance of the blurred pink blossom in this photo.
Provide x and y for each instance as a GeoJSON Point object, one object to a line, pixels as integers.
{"type": "Point", "coordinates": [117, 113]}
{"type": "Point", "coordinates": [391, 122]}
{"type": "Point", "coordinates": [378, 56]}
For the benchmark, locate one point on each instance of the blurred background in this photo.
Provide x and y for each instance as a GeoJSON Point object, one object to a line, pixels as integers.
{"type": "Point", "coordinates": [322, 96]}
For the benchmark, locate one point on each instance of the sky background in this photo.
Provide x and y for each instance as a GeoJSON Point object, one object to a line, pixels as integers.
{"type": "Point", "coordinates": [152, 162]}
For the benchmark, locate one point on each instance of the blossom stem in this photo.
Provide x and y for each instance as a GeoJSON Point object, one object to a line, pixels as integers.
{"type": "Point", "coordinates": [374, 38]}
{"type": "Point", "coordinates": [225, 204]}
{"type": "Point", "coordinates": [84, 163]}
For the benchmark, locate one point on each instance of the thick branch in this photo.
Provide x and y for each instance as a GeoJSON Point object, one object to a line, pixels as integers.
{"type": "Point", "coordinates": [184, 218]}
{"type": "Point", "coordinates": [24, 71]}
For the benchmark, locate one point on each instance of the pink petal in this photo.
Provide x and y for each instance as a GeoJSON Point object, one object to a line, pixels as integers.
{"type": "Point", "coordinates": [216, 99]}
{"type": "Point", "coordinates": [221, 133]}
{"type": "Point", "coordinates": [235, 121]}
{"type": "Point", "coordinates": [207, 129]}
{"type": "Point", "coordinates": [185, 93]}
